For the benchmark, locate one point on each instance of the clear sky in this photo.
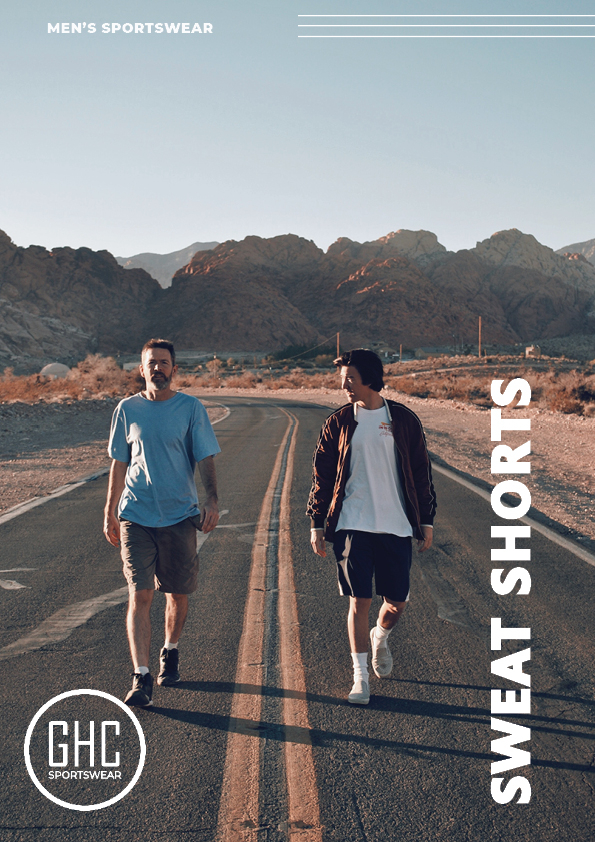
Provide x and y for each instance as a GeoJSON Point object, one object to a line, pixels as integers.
{"type": "Point", "coordinates": [151, 142]}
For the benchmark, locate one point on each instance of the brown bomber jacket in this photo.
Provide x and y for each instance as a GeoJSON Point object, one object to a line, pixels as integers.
{"type": "Point", "coordinates": [330, 468]}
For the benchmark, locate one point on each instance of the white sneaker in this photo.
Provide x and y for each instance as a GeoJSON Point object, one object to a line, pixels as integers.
{"type": "Point", "coordinates": [382, 659]}
{"type": "Point", "coordinates": [360, 693]}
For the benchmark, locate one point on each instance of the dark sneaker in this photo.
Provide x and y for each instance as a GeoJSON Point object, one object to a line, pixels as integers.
{"type": "Point", "coordinates": [168, 667]}
{"type": "Point", "coordinates": [141, 695]}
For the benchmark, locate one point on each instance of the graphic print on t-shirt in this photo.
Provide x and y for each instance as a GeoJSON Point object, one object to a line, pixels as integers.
{"type": "Point", "coordinates": [374, 500]}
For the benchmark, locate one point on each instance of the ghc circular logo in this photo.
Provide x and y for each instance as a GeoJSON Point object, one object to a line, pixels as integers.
{"type": "Point", "coordinates": [86, 753]}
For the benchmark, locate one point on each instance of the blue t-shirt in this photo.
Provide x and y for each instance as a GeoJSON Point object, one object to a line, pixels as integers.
{"type": "Point", "coordinates": [162, 441]}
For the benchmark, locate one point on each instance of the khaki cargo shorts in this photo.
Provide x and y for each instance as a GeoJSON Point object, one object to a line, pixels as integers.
{"type": "Point", "coordinates": [162, 558]}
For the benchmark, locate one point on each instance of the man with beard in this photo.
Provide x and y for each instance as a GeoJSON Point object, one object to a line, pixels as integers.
{"type": "Point", "coordinates": [152, 514]}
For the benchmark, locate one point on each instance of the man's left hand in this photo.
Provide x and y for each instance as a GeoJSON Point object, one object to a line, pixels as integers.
{"type": "Point", "coordinates": [210, 516]}
{"type": "Point", "coordinates": [426, 543]}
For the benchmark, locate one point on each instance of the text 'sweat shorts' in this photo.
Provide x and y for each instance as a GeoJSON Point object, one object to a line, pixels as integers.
{"type": "Point", "coordinates": [362, 556]}
{"type": "Point", "coordinates": [163, 558]}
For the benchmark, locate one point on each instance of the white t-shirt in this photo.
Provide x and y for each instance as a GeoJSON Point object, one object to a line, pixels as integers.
{"type": "Point", "coordinates": [374, 500]}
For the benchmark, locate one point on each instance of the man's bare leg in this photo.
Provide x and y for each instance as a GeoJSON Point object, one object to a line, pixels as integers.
{"type": "Point", "coordinates": [357, 627]}
{"type": "Point", "coordinates": [390, 613]}
{"type": "Point", "coordinates": [388, 617]}
{"type": "Point", "coordinates": [357, 623]}
{"type": "Point", "coordinates": [138, 626]}
{"type": "Point", "coordinates": [176, 611]}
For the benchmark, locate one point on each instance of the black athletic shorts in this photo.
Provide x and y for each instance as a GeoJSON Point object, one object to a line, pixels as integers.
{"type": "Point", "coordinates": [362, 556]}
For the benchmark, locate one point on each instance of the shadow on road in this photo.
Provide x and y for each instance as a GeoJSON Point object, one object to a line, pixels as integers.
{"type": "Point", "coordinates": [316, 737]}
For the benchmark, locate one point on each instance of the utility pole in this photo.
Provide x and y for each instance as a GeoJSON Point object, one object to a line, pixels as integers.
{"type": "Point", "coordinates": [479, 342]}
{"type": "Point", "coordinates": [400, 353]}
{"type": "Point", "coordinates": [338, 351]}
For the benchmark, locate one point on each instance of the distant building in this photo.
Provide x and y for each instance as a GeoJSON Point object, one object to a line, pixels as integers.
{"type": "Point", "coordinates": [533, 352]}
{"type": "Point", "coordinates": [54, 371]}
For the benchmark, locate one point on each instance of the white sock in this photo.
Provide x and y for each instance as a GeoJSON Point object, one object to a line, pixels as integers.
{"type": "Point", "coordinates": [360, 666]}
{"type": "Point", "coordinates": [169, 645]}
{"type": "Point", "coordinates": [381, 634]}
{"type": "Point", "coordinates": [142, 670]}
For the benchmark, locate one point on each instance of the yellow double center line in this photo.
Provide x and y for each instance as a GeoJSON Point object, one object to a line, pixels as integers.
{"type": "Point", "coordinates": [241, 798]}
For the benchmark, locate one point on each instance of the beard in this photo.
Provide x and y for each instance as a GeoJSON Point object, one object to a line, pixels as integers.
{"type": "Point", "coordinates": [160, 381]}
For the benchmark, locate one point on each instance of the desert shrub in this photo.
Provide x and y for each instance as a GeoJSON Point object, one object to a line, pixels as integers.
{"type": "Point", "coordinates": [298, 379]}
{"type": "Point", "coordinates": [564, 402]}
{"type": "Point", "coordinates": [185, 381]}
{"type": "Point", "coordinates": [245, 380]}
{"type": "Point", "coordinates": [210, 381]}
{"type": "Point", "coordinates": [29, 388]}
{"type": "Point", "coordinates": [559, 390]}
{"type": "Point", "coordinates": [93, 377]}
{"type": "Point", "coordinates": [96, 376]}
{"type": "Point", "coordinates": [565, 391]}
{"type": "Point", "coordinates": [585, 390]}
{"type": "Point", "coordinates": [408, 385]}
{"type": "Point", "coordinates": [102, 374]}
{"type": "Point", "coordinates": [457, 386]}
{"type": "Point", "coordinates": [214, 366]}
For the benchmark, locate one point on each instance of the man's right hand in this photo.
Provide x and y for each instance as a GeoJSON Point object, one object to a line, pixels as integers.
{"type": "Point", "coordinates": [117, 481]}
{"type": "Point", "coordinates": [317, 542]}
{"type": "Point", "coordinates": [111, 529]}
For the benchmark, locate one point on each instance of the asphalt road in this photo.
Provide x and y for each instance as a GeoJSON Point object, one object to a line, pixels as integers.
{"type": "Point", "coordinates": [414, 765]}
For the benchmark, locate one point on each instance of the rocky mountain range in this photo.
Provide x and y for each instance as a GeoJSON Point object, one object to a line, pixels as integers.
{"type": "Point", "coordinates": [265, 294]}
{"type": "Point", "coordinates": [64, 303]}
{"type": "Point", "coordinates": [163, 267]}
{"type": "Point", "coordinates": [587, 249]}
{"type": "Point", "coordinates": [403, 288]}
